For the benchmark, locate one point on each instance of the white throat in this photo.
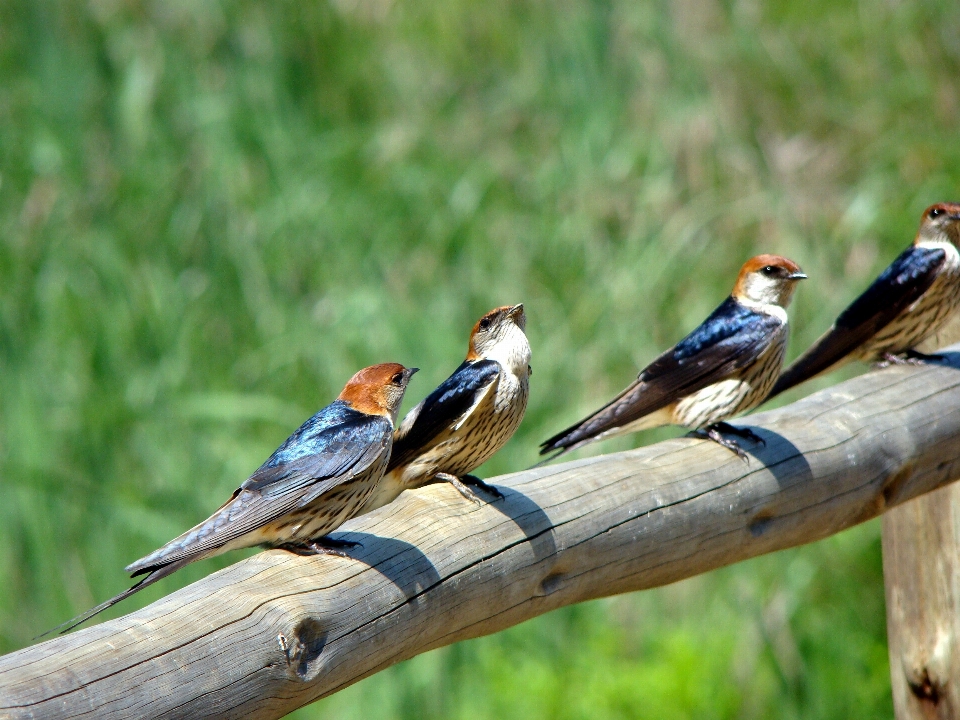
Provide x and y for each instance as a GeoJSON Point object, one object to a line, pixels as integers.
{"type": "Point", "coordinates": [512, 351]}
{"type": "Point", "coordinates": [939, 243]}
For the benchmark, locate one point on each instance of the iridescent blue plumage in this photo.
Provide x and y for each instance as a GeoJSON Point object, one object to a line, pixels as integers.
{"type": "Point", "coordinates": [723, 368]}
{"type": "Point", "coordinates": [326, 445]}
{"type": "Point", "coordinates": [906, 279]}
{"type": "Point", "coordinates": [442, 407]}
{"type": "Point", "coordinates": [311, 436]}
{"type": "Point", "coordinates": [732, 325]}
{"type": "Point", "coordinates": [317, 479]}
{"type": "Point", "coordinates": [468, 418]}
{"type": "Point", "coordinates": [874, 312]}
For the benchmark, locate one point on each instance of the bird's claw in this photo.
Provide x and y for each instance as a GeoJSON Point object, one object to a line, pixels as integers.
{"type": "Point", "coordinates": [713, 433]}
{"type": "Point", "coordinates": [465, 490]}
{"type": "Point", "coordinates": [321, 546]}
{"type": "Point", "coordinates": [743, 432]}
{"type": "Point", "coordinates": [910, 357]}
{"type": "Point", "coordinates": [480, 484]}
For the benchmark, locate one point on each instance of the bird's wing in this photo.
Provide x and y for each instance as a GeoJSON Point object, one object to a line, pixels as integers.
{"type": "Point", "coordinates": [311, 462]}
{"type": "Point", "coordinates": [442, 408]}
{"type": "Point", "coordinates": [730, 339]}
{"type": "Point", "coordinates": [898, 287]}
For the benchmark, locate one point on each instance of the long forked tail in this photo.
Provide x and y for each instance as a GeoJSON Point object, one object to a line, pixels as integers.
{"type": "Point", "coordinates": [551, 458]}
{"type": "Point", "coordinates": [575, 436]}
{"type": "Point", "coordinates": [815, 361]}
{"type": "Point", "coordinates": [609, 421]}
{"type": "Point", "coordinates": [569, 440]}
{"type": "Point", "coordinates": [150, 579]}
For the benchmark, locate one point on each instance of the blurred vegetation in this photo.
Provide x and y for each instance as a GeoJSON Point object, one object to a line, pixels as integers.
{"type": "Point", "coordinates": [212, 214]}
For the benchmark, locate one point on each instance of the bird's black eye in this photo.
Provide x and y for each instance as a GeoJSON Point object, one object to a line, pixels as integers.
{"type": "Point", "coordinates": [769, 270]}
{"type": "Point", "coordinates": [485, 323]}
{"type": "Point", "coordinates": [935, 212]}
{"type": "Point", "coordinates": [397, 379]}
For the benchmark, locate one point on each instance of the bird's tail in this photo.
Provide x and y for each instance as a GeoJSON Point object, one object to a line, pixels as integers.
{"type": "Point", "coordinates": [544, 461]}
{"type": "Point", "coordinates": [603, 424]}
{"type": "Point", "coordinates": [570, 439]}
{"type": "Point", "coordinates": [150, 579]}
{"type": "Point", "coordinates": [813, 362]}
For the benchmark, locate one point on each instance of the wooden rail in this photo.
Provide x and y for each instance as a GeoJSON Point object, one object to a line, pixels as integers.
{"type": "Point", "coordinates": [277, 631]}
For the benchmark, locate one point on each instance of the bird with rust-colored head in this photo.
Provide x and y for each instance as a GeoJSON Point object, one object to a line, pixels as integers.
{"type": "Point", "coordinates": [911, 301]}
{"type": "Point", "coordinates": [469, 417]}
{"type": "Point", "coordinates": [315, 481]}
{"type": "Point", "coordinates": [723, 368]}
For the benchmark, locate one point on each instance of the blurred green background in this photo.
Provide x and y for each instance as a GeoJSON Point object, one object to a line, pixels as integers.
{"type": "Point", "coordinates": [212, 214]}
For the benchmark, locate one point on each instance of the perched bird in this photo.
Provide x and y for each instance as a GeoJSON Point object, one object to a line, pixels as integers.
{"type": "Point", "coordinates": [470, 416]}
{"type": "Point", "coordinates": [318, 479]}
{"type": "Point", "coordinates": [724, 367]}
{"type": "Point", "coordinates": [912, 300]}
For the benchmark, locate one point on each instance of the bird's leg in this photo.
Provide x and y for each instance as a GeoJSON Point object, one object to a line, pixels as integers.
{"type": "Point", "coordinates": [711, 433]}
{"type": "Point", "coordinates": [481, 485]}
{"type": "Point", "coordinates": [910, 357]}
{"type": "Point", "coordinates": [745, 433]}
{"type": "Point", "coordinates": [464, 490]}
{"type": "Point", "coordinates": [321, 546]}
{"type": "Point", "coordinates": [888, 359]}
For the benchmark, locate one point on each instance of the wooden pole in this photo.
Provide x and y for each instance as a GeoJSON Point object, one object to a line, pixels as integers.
{"type": "Point", "coordinates": [277, 631]}
{"type": "Point", "coordinates": [921, 572]}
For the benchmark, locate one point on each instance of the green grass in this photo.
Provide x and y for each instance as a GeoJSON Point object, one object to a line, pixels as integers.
{"type": "Point", "coordinates": [212, 215]}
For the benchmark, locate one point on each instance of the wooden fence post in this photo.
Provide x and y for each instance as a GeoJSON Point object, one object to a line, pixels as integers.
{"type": "Point", "coordinates": [921, 571]}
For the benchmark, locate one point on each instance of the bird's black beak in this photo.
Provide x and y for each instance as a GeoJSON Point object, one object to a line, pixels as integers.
{"type": "Point", "coordinates": [410, 372]}
{"type": "Point", "coordinates": [516, 311]}
{"type": "Point", "coordinates": [798, 276]}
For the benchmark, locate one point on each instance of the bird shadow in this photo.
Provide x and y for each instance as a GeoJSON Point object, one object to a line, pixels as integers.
{"type": "Point", "coordinates": [784, 460]}
{"type": "Point", "coordinates": [412, 572]}
{"type": "Point", "coordinates": [401, 563]}
{"type": "Point", "coordinates": [949, 358]}
{"type": "Point", "coordinates": [780, 456]}
{"type": "Point", "coordinates": [530, 518]}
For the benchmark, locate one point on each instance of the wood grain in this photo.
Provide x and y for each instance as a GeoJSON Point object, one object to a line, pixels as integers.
{"type": "Point", "coordinates": [921, 572]}
{"type": "Point", "coordinates": [277, 631]}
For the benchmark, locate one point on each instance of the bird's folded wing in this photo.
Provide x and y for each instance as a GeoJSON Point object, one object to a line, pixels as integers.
{"type": "Point", "coordinates": [442, 408]}
{"type": "Point", "coordinates": [899, 286]}
{"type": "Point", "coordinates": [729, 340]}
{"type": "Point", "coordinates": [280, 486]}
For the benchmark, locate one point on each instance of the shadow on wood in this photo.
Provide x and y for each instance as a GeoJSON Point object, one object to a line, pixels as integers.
{"type": "Point", "coordinates": [277, 631]}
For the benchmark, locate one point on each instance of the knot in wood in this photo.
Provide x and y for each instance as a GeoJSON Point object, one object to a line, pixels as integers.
{"type": "Point", "coordinates": [303, 646]}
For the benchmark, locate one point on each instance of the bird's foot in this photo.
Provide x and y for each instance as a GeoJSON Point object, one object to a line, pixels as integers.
{"type": "Point", "coordinates": [321, 546]}
{"type": "Point", "coordinates": [462, 486]}
{"type": "Point", "coordinates": [481, 485]}
{"type": "Point", "coordinates": [742, 432]}
{"type": "Point", "coordinates": [910, 357]}
{"type": "Point", "coordinates": [712, 433]}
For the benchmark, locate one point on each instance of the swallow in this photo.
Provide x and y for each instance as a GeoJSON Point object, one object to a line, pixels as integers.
{"type": "Point", "coordinates": [314, 482]}
{"type": "Point", "coordinates": [724, 367]}
{"type": "Point", "coordinates": [469, 417]}
{"type": "Point", "coordinates": [911, 301]}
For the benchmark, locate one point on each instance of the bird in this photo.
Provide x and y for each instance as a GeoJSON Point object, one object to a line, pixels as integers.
{"type": "Point", "coordinates": [726, 366]}
{"type": "Point", "coordinates": [913, 300]}
{"type": "Point", "coordinates": [314, 482]}
{"type": "Point", "coordinates": [468, 417]}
